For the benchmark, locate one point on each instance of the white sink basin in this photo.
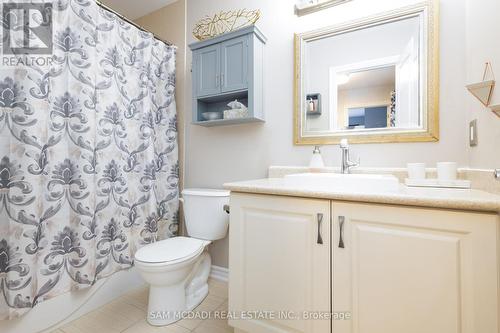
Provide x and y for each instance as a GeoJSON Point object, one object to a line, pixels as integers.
{"type": "Point", "coordinates": [341, 182]}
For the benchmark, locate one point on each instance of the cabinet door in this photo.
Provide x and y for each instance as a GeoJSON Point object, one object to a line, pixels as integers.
{"type": "Point", "coordinates": [234, 64]}
{"type": "Point", "coordinates": [207, 70]}
{"type": "Point", "coordinates": [277, 264]}
{"type": "Point", "coordinates": [414, 270]}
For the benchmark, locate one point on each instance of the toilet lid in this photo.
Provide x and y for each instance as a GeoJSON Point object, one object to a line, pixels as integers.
{"type": "Point", "coordinates": [172, 249]}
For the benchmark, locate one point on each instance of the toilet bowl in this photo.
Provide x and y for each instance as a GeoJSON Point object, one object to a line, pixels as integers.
{"type": "Point", "coordinates": [177, 269]}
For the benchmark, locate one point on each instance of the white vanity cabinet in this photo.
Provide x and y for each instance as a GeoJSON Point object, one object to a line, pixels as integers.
{"type": "Point", "coordinates": [414, 270]}
{"type": "Point", "coordinates": [387, 269]}
{"type": "Point", "coordinates": [278, 263]}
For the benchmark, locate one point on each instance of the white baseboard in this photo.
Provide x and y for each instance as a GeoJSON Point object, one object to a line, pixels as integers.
{"type": "Point", "coordinates": [219, 273]}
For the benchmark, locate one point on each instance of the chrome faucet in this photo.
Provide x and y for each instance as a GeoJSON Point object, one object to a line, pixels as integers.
{"type": "Point", "coordinates": [347, 164]}
{"type": "Point", "coordinates": [496, 174]}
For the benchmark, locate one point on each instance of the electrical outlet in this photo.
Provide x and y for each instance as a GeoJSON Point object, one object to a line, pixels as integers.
{"type": "Point", "coordinates": [473, 133]}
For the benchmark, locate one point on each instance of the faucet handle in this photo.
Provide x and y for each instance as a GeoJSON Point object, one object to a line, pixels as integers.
{"type": "Point", "coordinates": [356, 164]}
{"type": "Point", "coordinates": [344, 143]}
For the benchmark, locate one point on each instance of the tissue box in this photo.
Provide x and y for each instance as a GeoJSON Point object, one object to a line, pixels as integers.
{"type": "Point", "coordinates": [235, 113]}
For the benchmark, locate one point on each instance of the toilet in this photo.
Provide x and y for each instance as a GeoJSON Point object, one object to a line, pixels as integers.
{"type": "Point", "coordinates": [177, 268]}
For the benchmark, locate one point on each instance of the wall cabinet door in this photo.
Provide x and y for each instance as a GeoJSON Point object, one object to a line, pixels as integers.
{"type": "Point", "coordinates": [414, 270]}
{"type": "Point", "coordinates": [277, 262]}
{"type": "Point", "coordinates": [234, 64]}
{"type": "Point", "coordinates": [207, 70]}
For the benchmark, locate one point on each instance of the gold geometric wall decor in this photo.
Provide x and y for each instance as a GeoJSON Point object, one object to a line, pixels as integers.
{"type": "Point", "coordinates": [484, 90]}
{"type": "Point", "coordinates": [495, 109]}
{"type": "Point", "coordinates": [224, 21]}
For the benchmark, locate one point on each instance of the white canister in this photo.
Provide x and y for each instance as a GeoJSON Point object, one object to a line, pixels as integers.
{"type": "Point", "coordinates": [416, 170]}
{"type": "Point", "coordinates": [447, 170]}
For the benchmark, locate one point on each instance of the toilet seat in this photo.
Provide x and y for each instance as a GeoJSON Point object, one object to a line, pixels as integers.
{"type": "Point", "coordinates": [171, 251]}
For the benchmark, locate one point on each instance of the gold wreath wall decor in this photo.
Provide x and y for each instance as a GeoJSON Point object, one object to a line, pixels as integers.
{"type": "Point", "coordinates": [224, 21]}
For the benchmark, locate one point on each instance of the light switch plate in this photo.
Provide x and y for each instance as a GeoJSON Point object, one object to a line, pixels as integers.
{"type": "Point", "coordinates": [473, 133]}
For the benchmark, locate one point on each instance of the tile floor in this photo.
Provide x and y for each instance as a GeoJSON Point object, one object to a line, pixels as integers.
{"type": "Point", "coordinates": [127, 314]}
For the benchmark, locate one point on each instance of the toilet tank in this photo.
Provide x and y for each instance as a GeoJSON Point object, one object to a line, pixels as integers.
{"type": "Point", "coordinates": [204, 213]}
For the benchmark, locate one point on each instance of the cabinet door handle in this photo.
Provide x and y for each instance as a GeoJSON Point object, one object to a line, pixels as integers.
{"type": "Point", "coordinates": [320, 221]}
{"type": "Point", "coordinates": [216, 80]}
{"type": "Point", "coordinates": [222, 79]}
{"type": "Point", "coordinates": [341, 231]}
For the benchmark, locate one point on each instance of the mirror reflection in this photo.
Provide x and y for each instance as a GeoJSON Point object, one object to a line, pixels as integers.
{"type": "Point", "coordinates": [366, 79]}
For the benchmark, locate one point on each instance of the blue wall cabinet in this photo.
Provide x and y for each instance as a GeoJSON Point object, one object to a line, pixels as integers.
{"type": "Point", "coordinates": [234, 64]}
{"type": "Point", "coordinates": [226, 68]}
{"type": "Point", "coordinates": [208, 74]}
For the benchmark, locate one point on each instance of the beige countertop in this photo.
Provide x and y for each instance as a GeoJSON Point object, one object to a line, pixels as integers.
{"type": "Point", "coordinates": [459, 199]}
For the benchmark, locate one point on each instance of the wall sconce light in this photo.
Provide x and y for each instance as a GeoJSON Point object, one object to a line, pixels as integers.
{"type": "Point", "coordinates": [304, 7]}
{"type": "Point", "coordinates": [343, 78]}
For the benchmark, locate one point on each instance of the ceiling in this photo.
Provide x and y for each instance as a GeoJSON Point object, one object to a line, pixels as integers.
{"type": "Point", "coordinates": [134, 9]}
{"type": "Point", "coordinates": [385, 76]}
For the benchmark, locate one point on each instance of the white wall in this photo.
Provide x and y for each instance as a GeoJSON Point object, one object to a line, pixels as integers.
{"type": "Point", "coordinates": [221, 154]}
{"type": "Point", "coordinates": [483, 27]}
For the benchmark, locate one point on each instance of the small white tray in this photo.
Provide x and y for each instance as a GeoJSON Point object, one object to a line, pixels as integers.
{"type": "Point", "coordinates": [459, 183]}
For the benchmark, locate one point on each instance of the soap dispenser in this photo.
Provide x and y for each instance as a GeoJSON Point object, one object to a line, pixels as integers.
{"type": "Point", "coordinates": [316, 163]}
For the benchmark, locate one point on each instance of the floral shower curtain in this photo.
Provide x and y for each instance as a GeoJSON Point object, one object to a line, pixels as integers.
{"type": "Point", "coordinates": [88, 156]}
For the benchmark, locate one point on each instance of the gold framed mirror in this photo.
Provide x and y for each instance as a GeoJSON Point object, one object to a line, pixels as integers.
{"type": "Point", "coordinates": [372, 80]}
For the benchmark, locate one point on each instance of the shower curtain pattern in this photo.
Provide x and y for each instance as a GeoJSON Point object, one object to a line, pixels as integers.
{"type": "Point", "coordinates": [88, 157]}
